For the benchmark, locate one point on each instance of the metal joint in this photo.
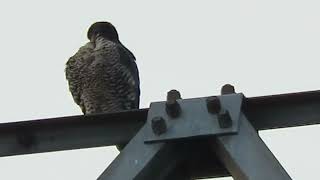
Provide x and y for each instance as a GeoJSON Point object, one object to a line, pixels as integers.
{"type": "Point", "coordinates": [207, 116]}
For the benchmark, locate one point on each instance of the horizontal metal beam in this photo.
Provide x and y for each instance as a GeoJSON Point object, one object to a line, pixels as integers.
{"type": "Point", "coordinates": [67, 133]}
{"type": "Point", "coordinates": [284, 110]}
{"type": "Point", "coordinates": [75, 132]}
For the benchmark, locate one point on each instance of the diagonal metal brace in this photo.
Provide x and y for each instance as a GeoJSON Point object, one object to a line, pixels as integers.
{"type": "Point", "coordinates": [139, 160]}
{"type": "Point", "coordinates": [246, 156]}
{"type": "Point", "coordinates": [162, 143]}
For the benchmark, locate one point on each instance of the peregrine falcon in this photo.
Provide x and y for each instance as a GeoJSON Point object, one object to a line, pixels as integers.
{"type": "Point", "coordinates": [103, 76]}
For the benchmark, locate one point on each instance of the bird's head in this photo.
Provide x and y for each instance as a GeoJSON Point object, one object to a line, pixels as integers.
{"type": "Point", "coordinates": [104, 29]}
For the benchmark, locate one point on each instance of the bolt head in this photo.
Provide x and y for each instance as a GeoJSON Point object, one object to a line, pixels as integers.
{"type": "Point", "coordinates": [224, 119]}
{"type": "Point", "coordinates": [173, 108]}
{"type": "Point", "coordinates": [173, 95]}
{"type": "Point", "coordinates": [213, 104]}
{"type": "Point", "coordinates": [227, 89]}
{"type": "Point", "coordinates": [158, 125]}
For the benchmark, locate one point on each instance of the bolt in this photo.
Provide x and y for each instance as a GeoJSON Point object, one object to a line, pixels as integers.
{"type": "Point", "coordinates": [158, 125]}
{"type": "Point", "coordinates": [173, 108]}
{"type": "Point", "coordinates": [213, 104]}
{"type": "Point", "coordinates": [227, 89]}
{"type": "Point", "coordinates": [173, 94]}
{"type": "Point", "coordinates": [224, 119]}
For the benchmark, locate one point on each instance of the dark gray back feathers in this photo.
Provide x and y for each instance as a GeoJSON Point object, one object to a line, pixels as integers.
{"type": "Point", "coordinates": [103, 77]}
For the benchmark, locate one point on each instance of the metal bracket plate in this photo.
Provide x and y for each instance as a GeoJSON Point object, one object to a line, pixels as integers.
{"type": "Point", "coordinates": [194, 119]}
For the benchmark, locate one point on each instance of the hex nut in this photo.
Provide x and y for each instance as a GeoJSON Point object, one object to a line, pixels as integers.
{"type": "Point", "coordinates": [213, 105]}
{"type": "Point", "coordinates": [158, 125]}
{"type": "Point", "coordinates": [227, 89]}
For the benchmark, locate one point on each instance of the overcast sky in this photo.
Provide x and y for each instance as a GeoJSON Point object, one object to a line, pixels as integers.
{"type": "Point", "coordinates": [262, 47]}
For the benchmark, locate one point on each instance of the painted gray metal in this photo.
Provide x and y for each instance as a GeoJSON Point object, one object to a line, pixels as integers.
{"type": "Point", "coordinates": [246, 156]}
{"type": "Point", "coordinates": [242, 151]}
{"type": "Point", "coordinates": [267, 112]}
{"type": "Point", "coordinates": [194, 120]}
{"type": "Point", "coordinates": [74, 132]}
{"type": "Point", "coordinates": [140, 161]}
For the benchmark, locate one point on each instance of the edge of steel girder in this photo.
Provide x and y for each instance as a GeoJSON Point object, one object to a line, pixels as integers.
{"type": "Point", "coordinates": [55, 134]}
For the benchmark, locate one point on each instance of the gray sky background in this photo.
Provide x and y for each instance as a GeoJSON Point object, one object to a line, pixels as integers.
{"type": "Point", "coordinates": [262, 47]}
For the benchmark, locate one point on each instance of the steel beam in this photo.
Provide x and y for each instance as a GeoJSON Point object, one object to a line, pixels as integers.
{"type": "Point", "coordinates": [66, 133]}
{"type": "Point", "coordinates": [246, 156]}
{"type": "Point", "coordinates": [69, 132]}
{"type": "Point", "coordinates": [200, 162]}
{"type": "Point", "coordinates": [140, 161]}
{"type": "Point", "coordinates": [284, 110]}
{"type": "Point", "coordinates": [45, 135]}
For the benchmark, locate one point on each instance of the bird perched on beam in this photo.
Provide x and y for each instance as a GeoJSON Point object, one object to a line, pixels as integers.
{"type": "Point", "coordinates": [103, 76]}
